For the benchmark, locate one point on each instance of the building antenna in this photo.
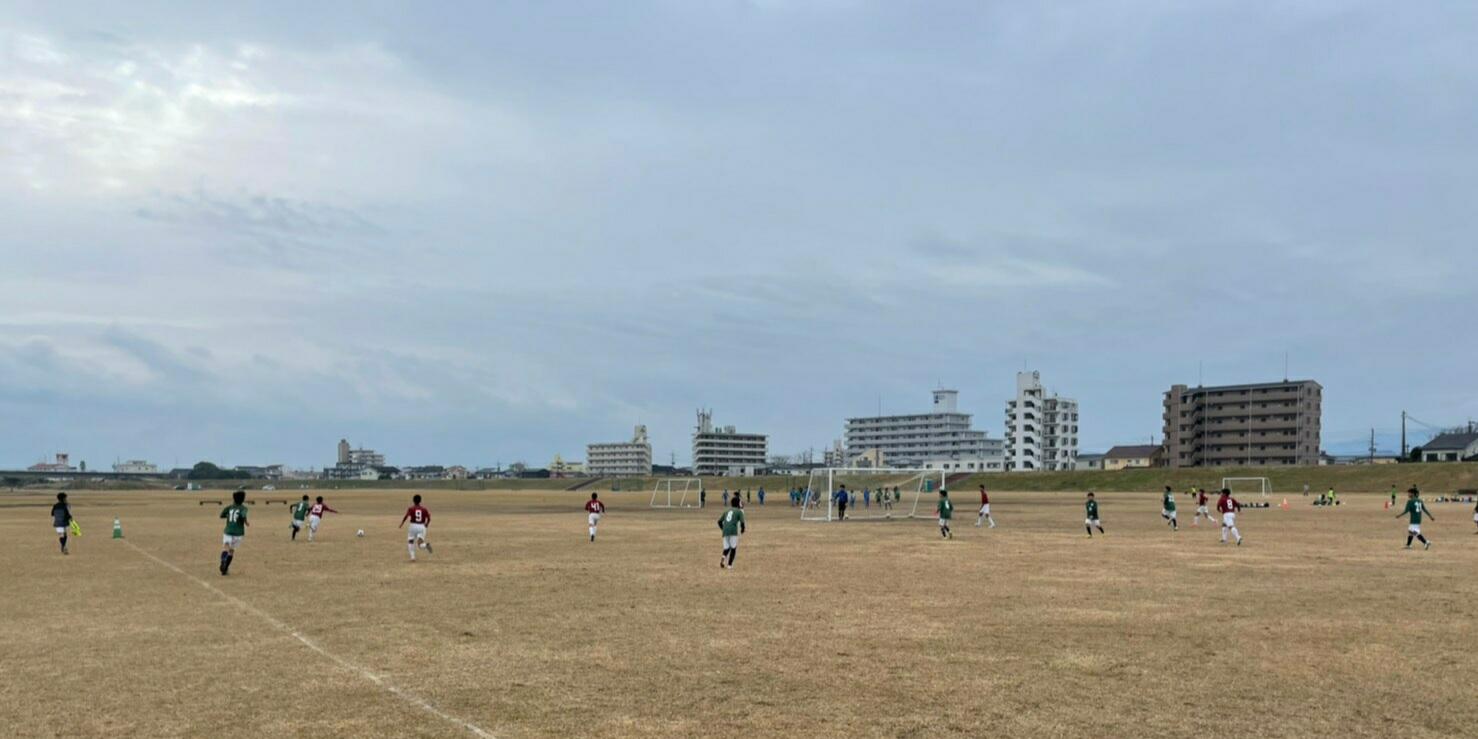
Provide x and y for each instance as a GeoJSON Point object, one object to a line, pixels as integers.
{"type": "Point", "coordinates": [1200, 373]}
{"type": "Point", "coordinates": [1285, 366]}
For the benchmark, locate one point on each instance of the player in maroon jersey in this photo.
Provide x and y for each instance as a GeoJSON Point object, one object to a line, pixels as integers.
{"type": "Point", "coordinates": [1201, 509]}
{"type": "Point", "coordinates": [415, 536]}
{"type": "Point", "coordinates": [984, 509]}
{"type": "Point", "coordinates": [315, 515]}
{"type": "Point", "coordinates": [595, 508]}
{"type": "Point", "coordinates": [1228, 506]}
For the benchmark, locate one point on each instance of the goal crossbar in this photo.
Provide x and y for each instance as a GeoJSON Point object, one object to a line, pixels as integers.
{"type": "Point", "coordinates": [1264, 485]}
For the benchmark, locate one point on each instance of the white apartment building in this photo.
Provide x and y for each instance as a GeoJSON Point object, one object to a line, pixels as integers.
{"type": "Point", "coordinates": [621, 458]}
{"type": "Point", "coordinates": [939, 439]}
{"type": "Point", "coordinates": [725, 451]}
{"type": "Point", "coordinates": [1041, 428]}
{"type": "Point", "coordinates": [135, 467]}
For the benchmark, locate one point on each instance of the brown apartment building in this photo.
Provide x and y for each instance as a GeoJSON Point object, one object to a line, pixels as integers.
{"type": "Point", "coordinates": [1263, 424]}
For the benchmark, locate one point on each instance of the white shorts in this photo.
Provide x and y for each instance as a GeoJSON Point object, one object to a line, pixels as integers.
{"type": "Point", "coordinates": [415, 531]}
{"type": "Point", "coordinates": [1202, 510]}
{"type": "Point", "coordinates": [62, 530]}
{"type": "Point", "coordinates": [731, 542]}
{"type": "Point", "coordinates": [1475, 518]}
{"type": "Point", "coordinates": [228, 540]}
{"type": "Point", "coordinates": [1228, 519]}
{"type": "Point", "coordinates": [985, 509]}
{"type": "Point", "coordinates": [1415, 528]}
{"type": "Point", "coordinates": [943, 522]}
{"type": "Point", "coordinates": [297, 524]}
{"type": "Point", "coordinates": [594, 519]}
{"type": "Point", "coordinates": [1169, 514]}
{"type": "Point", "coordinates": [1092, 522]}
{"type": "Point", "coordinates": [313, 522]}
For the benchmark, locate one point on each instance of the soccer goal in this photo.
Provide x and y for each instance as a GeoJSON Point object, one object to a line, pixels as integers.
{"type": "Point", "coordinates": [873, 493]}
{"type": "Point", "coordinates": [681, 492]}
{"type": "Point", "coordinates": [1247, 484]}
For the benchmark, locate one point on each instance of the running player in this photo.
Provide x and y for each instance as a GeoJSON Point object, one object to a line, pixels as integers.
{"type": "Point", "coordinates": [300, 512]}
{"type": "Point", "coordinates": [1415, 508]}
{"type": "Point", "coordinates": [595, 508]}
{"type": "Point", "coordinates": [1167, 509]}
{"type": "Point", "coordinates": [61, 519]}
{"type": "Point", "coordinates": [1228, 506]}
{"type": "Point", "coordinates": [235, 515]}
{"type": "Point", "coordinates": [732, 525]}
{"type": "Point", "coordinates": [946, 512]}
{"type": "Point", "coordinates": [1091, 520]}
{"type": "Point", "coordinates": [315, 515]}
{"type": "Point", "coordinates": [415, 536]}
{"type": "Point", "coordinates": [984, 509]}
{"type": "Point", "coordinates": [1201, 509]}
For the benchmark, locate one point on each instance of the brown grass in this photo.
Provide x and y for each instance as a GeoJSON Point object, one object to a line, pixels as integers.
{"type": "Point", "coordinates": [1320, 625]}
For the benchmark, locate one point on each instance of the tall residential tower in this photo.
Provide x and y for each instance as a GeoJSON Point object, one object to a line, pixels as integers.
{"type": "Point", "coordinates": [1041, 428]}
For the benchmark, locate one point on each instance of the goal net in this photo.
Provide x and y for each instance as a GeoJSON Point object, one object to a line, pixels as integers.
{"type": "Point", "coordinates": [871, 493]}
{"type": "Point", "coordinates": [1247, 485]}
{"type": "Point", "coordinates": [679, 492]}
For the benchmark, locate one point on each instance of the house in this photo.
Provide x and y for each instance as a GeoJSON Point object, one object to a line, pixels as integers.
{"type": "Point", "coordinates": [1135, 456]}
{"type": "Point", "coordinates": [456, 472]}
{"type": "Point", "coordinates": [1089, 462]}
{"type": "Point", "coordinates": [1452, 447]}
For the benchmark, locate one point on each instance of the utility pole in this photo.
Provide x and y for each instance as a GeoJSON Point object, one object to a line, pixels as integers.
{"type": "Point", "coordinates": [1404, 451]}
{"type": "Point", "coordinates": [1372, 446]}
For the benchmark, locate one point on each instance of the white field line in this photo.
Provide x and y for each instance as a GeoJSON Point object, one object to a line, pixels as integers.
{"type": "Point", "coordinates": [383, 683]}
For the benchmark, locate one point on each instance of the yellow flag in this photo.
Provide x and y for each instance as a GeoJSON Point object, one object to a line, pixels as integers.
{"type": "Point", "coordinates": [76, 530]}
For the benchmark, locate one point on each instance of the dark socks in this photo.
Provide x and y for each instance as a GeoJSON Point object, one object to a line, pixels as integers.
{"type": "Point", "coordinates": [732, 552]}
{"type": "Point", "coordinates": [295, 532]}
{"type": "Point", "coordinates": [1421, 539]}
{"type": "Point", "coordinates": [1088, 529]}
{"type": "Point", "coordinates": [1409, 537]}
{"type": "Point", "coordinates": [63, 540]}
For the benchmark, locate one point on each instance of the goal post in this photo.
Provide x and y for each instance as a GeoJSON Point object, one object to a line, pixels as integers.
{"type": "Point", "coordinates": [875, 493]}
{"type": "Point", "coordinates": [676, 492]}
{"type": "Point", "coordinates": [1249, 484]}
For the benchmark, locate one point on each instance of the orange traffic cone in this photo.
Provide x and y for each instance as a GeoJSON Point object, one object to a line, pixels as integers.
{"type": "Point", "coordinates": [1285, 504]}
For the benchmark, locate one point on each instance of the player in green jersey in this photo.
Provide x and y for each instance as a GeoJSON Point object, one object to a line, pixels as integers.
{"type": "Point", "coordinates": [946, 512]}
{"type": "Point", "coordinates": [732, 525]}
{"type": "Point", "coordinates": [300, 513]}
{"type": "Point", "coordinates": [1415, 508]}
{"type": "Point", "coordinates": [1167, 509]}
{"type": "Point", "coordinates": [1091, 521]}
{"type": "Point", "coordinates": [235, 515]}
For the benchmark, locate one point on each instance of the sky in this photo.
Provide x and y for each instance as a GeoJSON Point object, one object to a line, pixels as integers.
{"type": "Point", "coordinates": [476, 233]}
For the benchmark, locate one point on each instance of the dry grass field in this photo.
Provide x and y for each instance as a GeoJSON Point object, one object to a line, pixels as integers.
{"type": "Point", "coordinates": [1321, 625]}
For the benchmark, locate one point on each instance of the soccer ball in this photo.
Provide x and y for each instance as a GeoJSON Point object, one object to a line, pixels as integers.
{"type": "Point", "coordinates": [359, 532]}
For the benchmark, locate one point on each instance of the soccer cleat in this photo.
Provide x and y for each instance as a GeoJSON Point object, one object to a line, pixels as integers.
{"type": "Point", "coordinates": [1428, 545]}
{"type": "Point", "coordinates": [1408, 546]}
{"type": "Point", "coordinates": [1239, 542]}
{"type": "Point", "coordinates": [427, 544]}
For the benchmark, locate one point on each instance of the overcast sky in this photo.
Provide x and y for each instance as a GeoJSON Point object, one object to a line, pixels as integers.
{"type": "Point", "coordinates": [472, 235]}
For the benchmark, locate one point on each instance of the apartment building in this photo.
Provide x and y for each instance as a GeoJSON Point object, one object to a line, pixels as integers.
{"type": "Point", "coordinates": [941, 438]}
{"type": "Point", "coordinates": [1255, 425]}
{"type": "Point", "coordinates": [1041, 427]}
{"type": "Point", "coordinates": [725, 451]}
{"type": "Point", "coordinates": [622, 458]}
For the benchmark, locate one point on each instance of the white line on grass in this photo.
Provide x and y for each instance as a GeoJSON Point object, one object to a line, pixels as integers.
{"type": "Point", "coordinates": [383, 683]}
